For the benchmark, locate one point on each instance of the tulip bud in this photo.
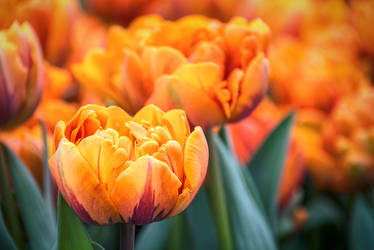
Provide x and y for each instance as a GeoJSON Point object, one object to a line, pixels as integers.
{"type": "Point", "coordinates": [111, 167]}
{"type": "Point", "coordinates": [21, 77]}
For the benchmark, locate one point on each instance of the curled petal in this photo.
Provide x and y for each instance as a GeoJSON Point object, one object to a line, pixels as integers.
{"type": "Point", "coordinates": [252, 88]}
{"type": "Point", "coordinates": [196, 155]}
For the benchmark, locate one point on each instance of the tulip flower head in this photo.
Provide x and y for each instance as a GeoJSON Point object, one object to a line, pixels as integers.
{"type": "Point", "coordinates": [21, 73]}
{"type": "Point", "coordinates": [111, 167]}
{"type": "Point", "coordinates": [217, 72]}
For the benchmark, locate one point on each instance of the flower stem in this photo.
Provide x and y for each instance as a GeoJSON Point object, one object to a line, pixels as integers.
{"type": "Point", "coordinates": [127, 241]}
{"type": "Point", "coordinates": [216, 195]}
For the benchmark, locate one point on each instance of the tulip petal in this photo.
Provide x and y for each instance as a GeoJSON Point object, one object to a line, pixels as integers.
{"type": "Point", "coordinates": [117, 118]}
{"type": "Point", "coordinates": [95, 74]}
{"type": "Point", "coordinates": [203, 76]}
{"type": "Point", "coordinates": [59, 133]}
{"type": "Point", "coordinates": [83, 191]}
{"type": "Point", "coordinates": [196, 155]}
{"type": "Point", "coordinates": [151, 114]}
{"type": "Point", "coordinates": [252, 89]}
{"type": "Point", "coordinates": [146, 191]}
{"type": "Point", "coordinates": [130, 81]}
{"type": "Point", "coordinates": [160, 61]}
{"type": "Point", "coordinates": [171, 93]}
{"type": "Point", "coordinates": [177, 124]}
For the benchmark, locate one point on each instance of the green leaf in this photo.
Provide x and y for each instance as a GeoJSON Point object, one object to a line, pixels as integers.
{"type": "Point", "coordinates": [322, 211]}
{"type": "Point", "coordinates": [200, 222]}
{"type": "Point", "coordinates": [249, 228]}
{"type": "Point", "coordinates": [6, 241]}
{"type": "Point", "coordinates": [71, 232]}
{"type": "Point", "coordinates": [38, 223]}
{"type": "Point", "coordinates": [154, 235]}
{"type": "Point", "coordinates": [107, 236]}
{"type": "Point", "coordinates": [180, 235]}
{"type": "Point", "coordinates": [267, 164]}
{"type": "Point", "coordinates": [9, 204]}
{"type": "Point", "coordinates": [361, 230]}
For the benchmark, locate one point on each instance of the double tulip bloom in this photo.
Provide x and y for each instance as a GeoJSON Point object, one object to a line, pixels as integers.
{"type": "Point", "coordinates": [111, 167]}
{"type": "Point", "coordinates": [217, 72]}
{"type": "Point", "coordinates": [21, 72]}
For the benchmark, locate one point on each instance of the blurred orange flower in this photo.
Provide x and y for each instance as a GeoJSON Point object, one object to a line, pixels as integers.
{"type": "Point", "coordinates": [363, 18]}
{"type": "Point", "coordinates": [217, 72]}
{"type": "Point", "coordinates": [52, 20]}
{"type": "Point", "coordinates": [120, 11]}
{"type": "Point", "coordinates": [247, 136]}
{"type": "Point", "coordinates": [21, 71]}
{"type": "Point", "coordinates": [308, 76]}
{"type": "Point", "coordinates": [111, 167]}
{"type": "Point", "coordinates": [339, 147]}
{"type": "Point", "coordinates": [27, 143]}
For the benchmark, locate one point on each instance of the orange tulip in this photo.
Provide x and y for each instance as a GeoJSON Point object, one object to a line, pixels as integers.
{"type": "Point", "coordinates": [217, 72]}
{"type": "Point", "coordinates": [111, 167]}
{"type": "Point", "coordinates": [21, 72]}
{"type": "Point", "coordinates": [339, 146]}
{"type": "Point", "coordinates": [247, 136]}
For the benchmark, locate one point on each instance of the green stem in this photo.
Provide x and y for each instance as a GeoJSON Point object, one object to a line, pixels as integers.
{"type": "Point", "coordinates": [216, 194]}
{"type": "Point", "coordinates": [48, 196]}
{"type": "Point", "coordinates": [127, 239]}
{"type": "Point", "coordinates": [9, 204]}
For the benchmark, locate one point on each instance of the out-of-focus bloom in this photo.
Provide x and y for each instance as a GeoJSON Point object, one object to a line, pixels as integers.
{"type": "Point", "coordinates": [57, 82]}
{"type": "Point", "coordinates": [311, 76]}
{"type": "Point", "coordinates": [248, 135]}
{"type": "Point", "coordinates": [52, 20]}
{"type": "Point", "coordinates": [27, 143]}
{"type": "Point", "coordinates": [222, 10]}
{"type": "Point", "coordinates": [283, 16]}
{"type": "Point", "coordinates": [88, 32]}
{"type": "Point", "coordinates": [21, 72]}
{"type": "Point", "coordinates": [363, 18]}
{"type": "Point", "coordinates": [123, 11]}
{"type": "Point", "coordinates": [339, 148]}
{"type": "Point", "coordinates": [217, 72]}
{"type": "Point", "coordinates": [111, 167]}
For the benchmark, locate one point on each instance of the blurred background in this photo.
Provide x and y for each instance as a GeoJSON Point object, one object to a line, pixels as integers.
{"type": "Point", "coordinates": [321, 58]}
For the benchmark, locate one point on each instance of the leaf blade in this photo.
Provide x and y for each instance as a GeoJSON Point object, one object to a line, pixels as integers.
{"type": "Point", "coordinates": [71, 232]}
{"type": "Point", "coordinates": [250, 229]}
{"type": "Point", "coordinates": [267, 164]}
{"type": "Point", "coordinates": [34, 213]}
